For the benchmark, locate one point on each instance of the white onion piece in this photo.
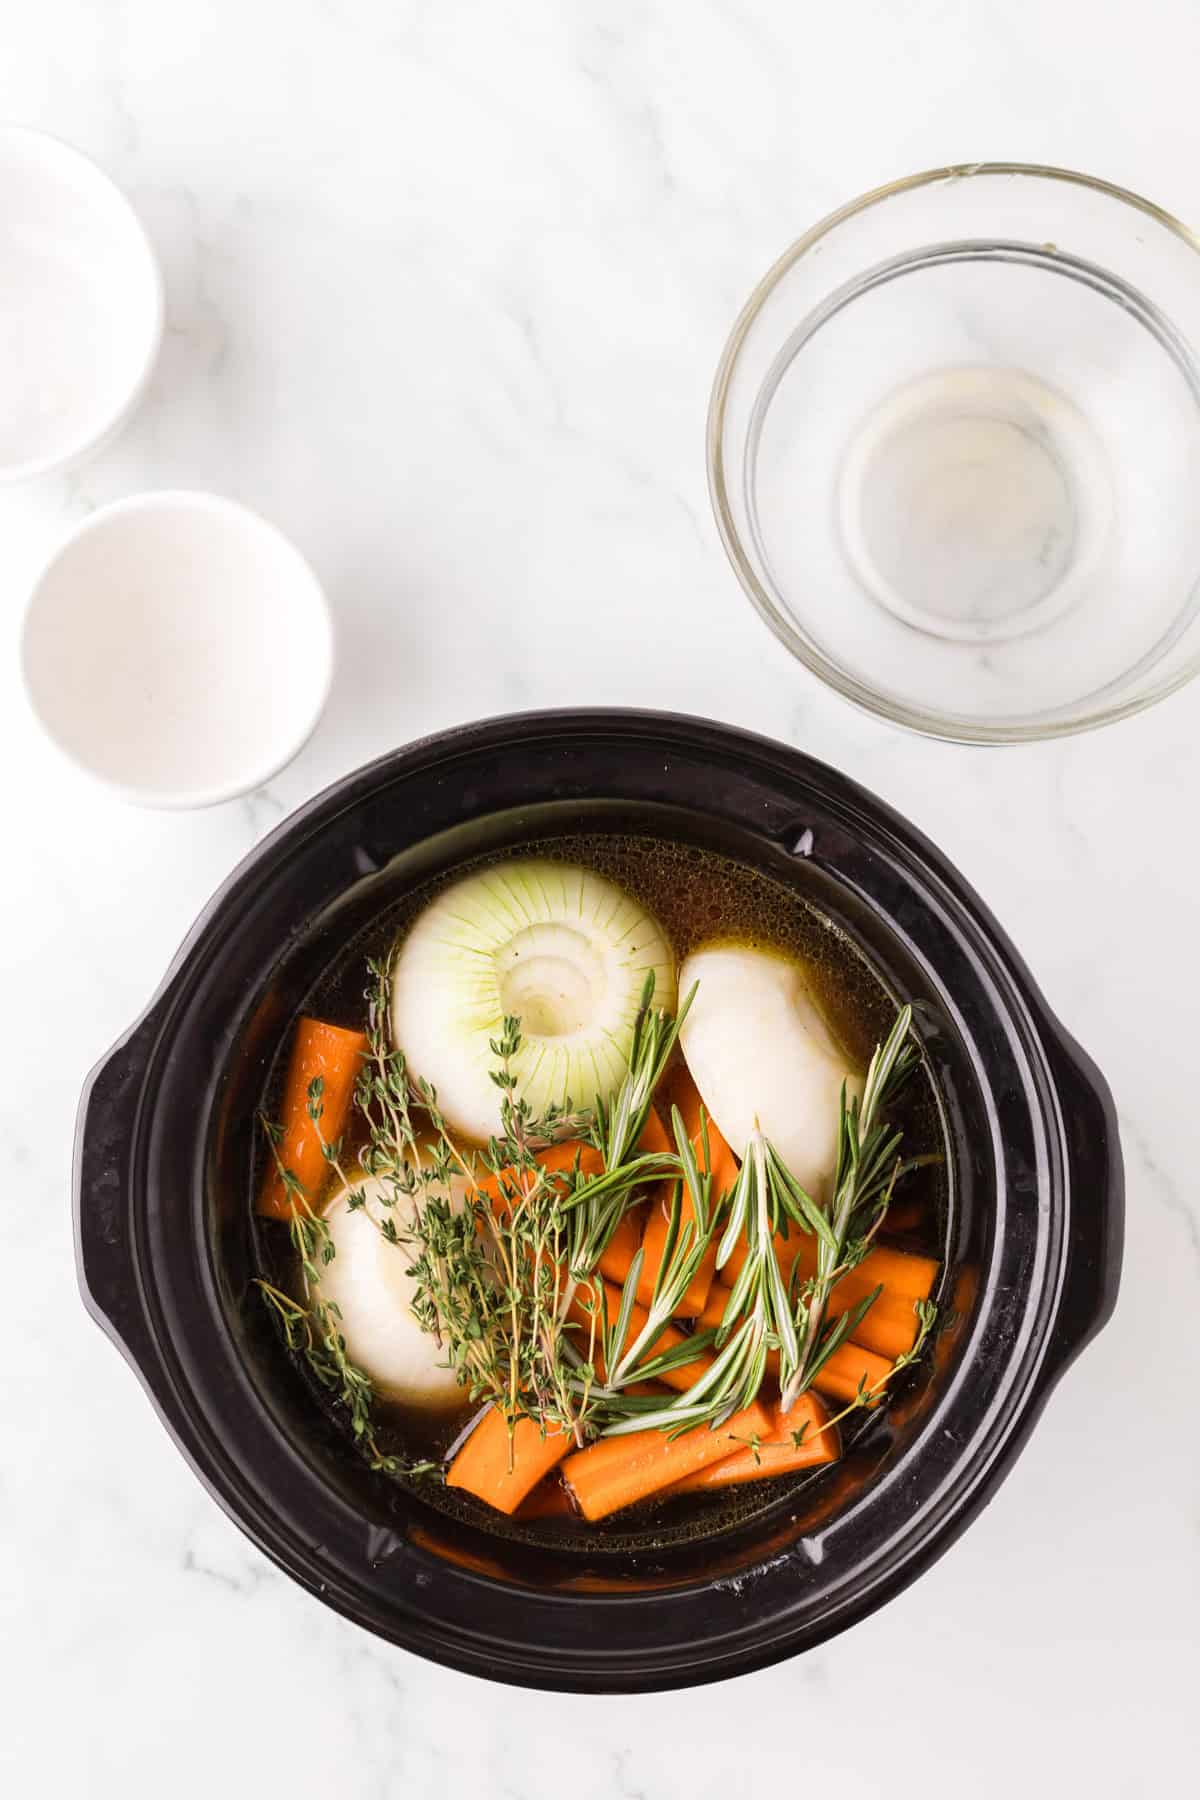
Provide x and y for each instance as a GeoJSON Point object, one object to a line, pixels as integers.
{"type": "Point", "coordinates": [760, 1051]}
{"type": "Point", "coordinates": [562, 948]}
{"type": "Point", "coordinates": [368, 1280]}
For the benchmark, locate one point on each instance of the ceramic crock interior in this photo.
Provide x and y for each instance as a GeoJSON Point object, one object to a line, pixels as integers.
{"type": "Point", "coordinates": [717, 1540]}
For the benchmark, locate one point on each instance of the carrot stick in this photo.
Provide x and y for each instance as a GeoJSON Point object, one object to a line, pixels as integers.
{"type": "Point", "coordinates": [556, 1159]}
{"type": "Point", "coordinates": [722, 1165]}
{"type": "Point", "coordinates": [683, 1093]}
{"type": "Point", "coordinates": [561, 1158]}
{"type": "Point", "coordinates": [334, 1056]}
{"type": "Point", "coordinates": [777, 1454]}
{"type": "Point", "coordinates": [889, 1326]}
{"type": "Point", "coordinates": [903, 1276]}
{"type": "Point", "coordinates": [609, 1298]}
{"type": "Point", "coordinates": [714, 1308]}
{"type": "Point", "coordinates": [653, 1139]}
{"type": "Point", "coordinates": [482, 1466]}
{"type": "Point", "coordinates": [622, 1246]}
{"type": "Point", "coordinates": [548, 1500]}
{"type": "Point", "coordinates": [899, 1272]}
{"type": "Point", "coordinates": [504, 1189]}
{"type": "Point", "coordinates": [841, 1374]}
{"type": "Point", "coordinates": [618, 1471]}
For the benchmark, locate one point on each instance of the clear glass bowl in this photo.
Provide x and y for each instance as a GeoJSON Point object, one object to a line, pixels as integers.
{"type": "Point", "coordinates": [954, 452]}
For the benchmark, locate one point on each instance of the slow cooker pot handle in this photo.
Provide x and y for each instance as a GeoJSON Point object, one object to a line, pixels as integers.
{"type": "Point", "coordinates": [102, 1202]}
{"type": "Point", "coordinates": [1097, 1197]}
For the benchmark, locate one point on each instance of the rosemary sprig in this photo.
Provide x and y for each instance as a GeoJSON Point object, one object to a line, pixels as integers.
{"type": "Point", "coordinates": [737, 1368]}
{"type": "Point", "coordinates": [927, 1317]}
{"type": "Point", "coordinates": [629, 1357]}
{"type": "Point", "coordinates": [599, 1203]}
{"type": "Point", "coordinates": [616, 1127]}
{"type": "Point", "coordinates": [865, 1176]}
{"type": "Point", "coordinates": [761, 1314]}
{"type": "Point", "coordinates": [765, 1199]}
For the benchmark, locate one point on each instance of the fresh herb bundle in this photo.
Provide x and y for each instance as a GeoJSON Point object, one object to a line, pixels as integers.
{"type": "Point", "coordinates": [763, 1312]}
{"type": "Point", "coordinates": [504, 1244]}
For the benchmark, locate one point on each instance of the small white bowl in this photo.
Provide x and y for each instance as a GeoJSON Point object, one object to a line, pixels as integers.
{"type": "Point", "coordinates": [178, 648]}
{"type": "Point", "coordinates": [81, 305]}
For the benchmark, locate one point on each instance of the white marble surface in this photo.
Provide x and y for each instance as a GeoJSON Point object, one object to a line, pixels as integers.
{"type": "Point", "coordinates": [446, 286]}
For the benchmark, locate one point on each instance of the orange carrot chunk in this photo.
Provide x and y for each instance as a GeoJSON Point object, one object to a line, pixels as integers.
{"type": "Point", "coordinates": [889, 1326]}
{"type": "Point", "coordinates": [714, 1308]}
{"type": "Point", "coordinates": [562, 1158]}
{"type": "Point", "coordinates": [506, 1189]}
{"type": "Point", "coordinates": [622, 1247]}
{"type": "Point", "coordinates": [903, 1276]}
{"type": "Point", "coordinates": [619, 1471]}
{"type": "Point", "coordinates": [609, 1300]}
{"type": "Point", "coordinates": [848, 1368]}
{"type": "Point", "coordinates": [839, 1376]}
{"type": "Point", "coordinates": [500, 1472]}
{"type": "Point", "coordinates": [722, 1165]}
{"type": "Point", "coordinates": [898, 1272]}
{"type": "Point", "coordinates": [653, 1139]}
{"type": "Point", "coordinates": [778, 1453]}
{"type": "Point", "coordinates": [549, 1500]}
{"type": "Point", "coordinates": [334, 1056]}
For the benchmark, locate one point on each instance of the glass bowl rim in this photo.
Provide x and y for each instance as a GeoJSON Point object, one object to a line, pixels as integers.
{"type": "Point", "coordinates": [950, 727]}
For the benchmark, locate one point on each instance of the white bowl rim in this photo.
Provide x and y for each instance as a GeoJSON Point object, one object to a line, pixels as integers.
{"type": "Point", "coordinates": [116, 416]}
{"type": "Point", "coordinates": [198, 500]}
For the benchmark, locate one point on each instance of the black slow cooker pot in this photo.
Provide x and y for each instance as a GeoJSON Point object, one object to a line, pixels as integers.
{"type": "Point", "coordinates": [164, 1232]}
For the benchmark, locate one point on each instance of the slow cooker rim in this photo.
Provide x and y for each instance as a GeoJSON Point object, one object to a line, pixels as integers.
{"type": "Point", "coordinates": [930, 862]}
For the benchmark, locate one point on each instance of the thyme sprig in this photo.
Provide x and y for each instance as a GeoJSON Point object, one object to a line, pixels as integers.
{"type": "Point", "coordinates": [313, 1332]}
{"type": "Point", "coordinates": [312, 1329]}
{"type": "Point", "coordinates": [499, 1242]}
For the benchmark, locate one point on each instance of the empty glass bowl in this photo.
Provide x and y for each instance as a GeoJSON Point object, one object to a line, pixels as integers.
{"type": "Point", "coordinates": [954, 452]}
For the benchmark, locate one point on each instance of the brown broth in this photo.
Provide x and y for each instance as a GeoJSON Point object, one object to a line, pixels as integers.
{"type": "Point", "coordinates": [699, 897]}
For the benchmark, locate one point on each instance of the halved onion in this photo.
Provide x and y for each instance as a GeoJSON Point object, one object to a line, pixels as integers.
{"type": "Point", "coordinates": [369, 1282]}
{"type": "Point", "coordinates": [760, 1052]}
{"type": "Point", "coordinates": [564, 949]}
